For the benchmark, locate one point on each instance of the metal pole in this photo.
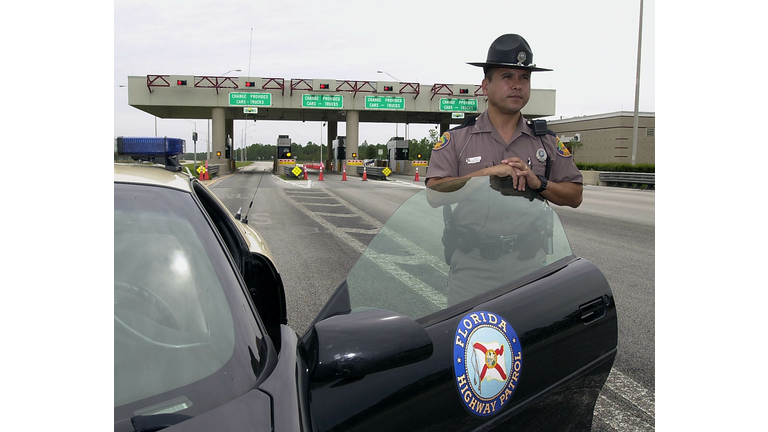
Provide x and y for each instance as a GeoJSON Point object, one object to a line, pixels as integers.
{"type": "Point", "coordinates": [208, 155]}
{"type": "Point", "coordinates": [637, 88]}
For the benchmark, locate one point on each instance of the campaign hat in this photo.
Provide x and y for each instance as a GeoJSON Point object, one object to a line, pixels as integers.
{"type": "Point", "coordinates": [510, 51]}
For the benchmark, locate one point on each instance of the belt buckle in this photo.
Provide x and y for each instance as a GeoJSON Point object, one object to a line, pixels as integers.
{"type": "Point", "coordinates": [508, 243]}
{"type": "Point", "coordinates": [490, 248]}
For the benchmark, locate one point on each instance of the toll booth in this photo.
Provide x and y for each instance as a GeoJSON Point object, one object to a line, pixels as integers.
{"type": "Point", "coordinates": [284, 156]}
{"type": "Point", "coordinates": [397, 153]}
{"type": "Point", "coordinates": [339, 152]}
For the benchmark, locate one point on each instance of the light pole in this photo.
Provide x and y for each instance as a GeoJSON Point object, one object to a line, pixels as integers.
{"type": "Point", "coordinates": [194, 139]}
{"type": "Point", "coordinates": [242, 150]}
{"type": "Point", "coordinates": [396, 79]}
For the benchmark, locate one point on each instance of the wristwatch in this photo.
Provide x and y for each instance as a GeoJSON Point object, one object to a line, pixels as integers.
{"type": "Point", "coordinates": [544, 182]}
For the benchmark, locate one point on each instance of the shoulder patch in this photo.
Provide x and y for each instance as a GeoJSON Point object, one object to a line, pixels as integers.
{"type": "Point", "coordinates": [444, 140]}
{"type": "Point", "coordinates": [562, 150]}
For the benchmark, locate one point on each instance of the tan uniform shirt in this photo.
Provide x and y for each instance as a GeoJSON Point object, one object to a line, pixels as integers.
{"type": "Point", "coordinates": [467, 149]}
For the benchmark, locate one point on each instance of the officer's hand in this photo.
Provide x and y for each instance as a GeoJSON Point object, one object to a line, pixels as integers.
{"type": "Point", "coordinates": [522, 172]}
{"type": "Point", "coordinates": [503, 170]}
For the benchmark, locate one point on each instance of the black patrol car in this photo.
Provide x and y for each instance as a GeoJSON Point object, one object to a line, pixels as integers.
{"type": "Point", "coordinates": [467, 311]}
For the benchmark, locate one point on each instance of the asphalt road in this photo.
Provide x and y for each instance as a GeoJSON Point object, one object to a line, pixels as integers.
{"type": "Point", "coordinates": [317, 230]}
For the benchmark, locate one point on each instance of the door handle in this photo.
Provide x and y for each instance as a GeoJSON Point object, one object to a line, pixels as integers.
{"type": "Point", "coordinates": [592, 311]}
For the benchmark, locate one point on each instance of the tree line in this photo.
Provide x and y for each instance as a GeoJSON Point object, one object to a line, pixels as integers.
{"type": "Point", "coordinates": [312, 151]}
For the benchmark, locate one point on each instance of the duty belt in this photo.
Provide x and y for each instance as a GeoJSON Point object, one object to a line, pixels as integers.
{"type": "Point", "coordinates": [491, 247]}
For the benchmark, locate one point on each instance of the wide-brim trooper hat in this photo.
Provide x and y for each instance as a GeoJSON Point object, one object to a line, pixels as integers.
{"type": "Point", "coordinates": [510, 51]}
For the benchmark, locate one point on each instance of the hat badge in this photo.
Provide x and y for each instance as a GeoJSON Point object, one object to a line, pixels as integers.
{"type": "Point", "coordinates": [521, 56]}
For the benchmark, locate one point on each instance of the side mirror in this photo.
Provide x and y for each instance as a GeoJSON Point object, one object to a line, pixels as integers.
{"type": "Point", "coordinates": [368, 341]}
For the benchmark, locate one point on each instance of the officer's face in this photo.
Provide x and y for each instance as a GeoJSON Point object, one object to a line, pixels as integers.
{"type": "Point", "coordinates": [508, 90]}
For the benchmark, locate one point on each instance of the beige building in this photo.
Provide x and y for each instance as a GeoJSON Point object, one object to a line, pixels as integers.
{"type": "Point", "coordinates": [607, 138]}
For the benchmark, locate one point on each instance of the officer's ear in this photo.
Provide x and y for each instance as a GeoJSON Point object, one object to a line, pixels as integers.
{"type": "Point", "coordinates": [484, 86]}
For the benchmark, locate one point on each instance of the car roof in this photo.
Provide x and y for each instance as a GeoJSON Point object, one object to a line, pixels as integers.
{"type": "Point", "coordinates": [152, 174]}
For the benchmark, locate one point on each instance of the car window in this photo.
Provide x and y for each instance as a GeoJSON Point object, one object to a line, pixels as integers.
{"type": "Point", "coordinates": [441, 248]}
{"type": "Point", "coordinates": [172, 322]}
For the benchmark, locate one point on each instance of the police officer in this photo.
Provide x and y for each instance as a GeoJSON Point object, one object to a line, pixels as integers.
{"type": "Point", "coordinates": [500, 141]}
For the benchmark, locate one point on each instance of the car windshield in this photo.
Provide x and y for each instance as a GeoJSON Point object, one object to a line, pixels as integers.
{"type": "Point", "coordinates": [172, 323]}
{"type": "Point", "coordinates": [446, 246]}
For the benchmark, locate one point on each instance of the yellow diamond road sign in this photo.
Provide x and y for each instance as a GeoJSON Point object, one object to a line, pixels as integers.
{"type": "Point", "coordinates": [387, 171]}
{"type": "Point", "coordinates": [296, 171]}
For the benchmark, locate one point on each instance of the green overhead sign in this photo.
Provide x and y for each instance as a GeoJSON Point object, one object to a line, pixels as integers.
{"type": "Point", "coordinates": [458, 104]}
{"type": "Point", "coordinates": [385, 102]}
{"type": "Point", "coordinates": [250, 99]}
{"type": "Point", "coordinates": [322, 101]}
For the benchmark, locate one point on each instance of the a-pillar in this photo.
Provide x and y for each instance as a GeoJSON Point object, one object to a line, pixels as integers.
{"type": "Point", "coordinates": [353, 133]}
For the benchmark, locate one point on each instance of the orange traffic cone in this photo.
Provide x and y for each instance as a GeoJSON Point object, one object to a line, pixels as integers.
{"type": "Point", "coordinates": [305, 173]}
{"type": "Point", "coordinates": [365, 175]}
{"type": "Point", "coordinates": [344, 175]}
{"type": "Point", "coordinates": [321, 174]}
{"type": "Point", "coordinates": [417, 174]}
{"type": "Point", "coordinates": [206, 170]}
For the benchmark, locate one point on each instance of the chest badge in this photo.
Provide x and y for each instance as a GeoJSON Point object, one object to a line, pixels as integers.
{"type": "Point", "coordinates": [487, 361]}
{"type": "Point", "coordinates": [541, 155]}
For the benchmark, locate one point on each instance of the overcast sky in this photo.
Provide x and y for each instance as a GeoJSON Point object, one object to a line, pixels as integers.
{"type": "Point", "coordinates": [590, 45]}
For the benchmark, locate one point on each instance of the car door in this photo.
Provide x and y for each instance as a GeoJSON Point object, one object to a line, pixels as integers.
{"type": "Point", "coordinates": [523, 333]}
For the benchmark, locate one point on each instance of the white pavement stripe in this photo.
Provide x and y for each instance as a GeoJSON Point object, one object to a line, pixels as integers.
{"type": "Point", "coordinates": [333, 229]}
{"type": "Point", "coordinates": [360, 231]}
{"type": "Point", "coordinates": [614, 416]}
{"type": "Point", "coordinates": [403, 183]}
{"type": "Point", "coordinates": [323, 204]}
{"type": "Point", "coordinates": [390, 263]}
{"type": "Point", "coordinates": [633, 392]}
{"type": "Point", "coordinates": [336, 214]}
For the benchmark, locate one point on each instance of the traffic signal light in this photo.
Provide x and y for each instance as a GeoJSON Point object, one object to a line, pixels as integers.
{"type": "Point", "coordinates": [218, 153]}
{"type": "Point", "coordinates": [354, 155]}
{"type": "Point", "coordinates": [324, 86]}
{"type": "Point", "coordinates": [250, 84]}
{"type": "Point", "coordinates": [181, 82]}
{"type": "Point", "coordinates": [387, 88]}
{"type": "Point", "coordinates": [283, 152]}
{"type": "Point", "coordinates": [419, 156]}
{"type": "Point", "coordinates": [464, 91]}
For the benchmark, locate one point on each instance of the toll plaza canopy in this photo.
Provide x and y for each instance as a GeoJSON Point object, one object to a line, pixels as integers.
{"type": "Point", "coordinates": [225, 99]}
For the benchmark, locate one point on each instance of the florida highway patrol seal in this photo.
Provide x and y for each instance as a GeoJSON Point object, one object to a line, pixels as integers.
{"type": "Point", "coordinates": [487, 362]}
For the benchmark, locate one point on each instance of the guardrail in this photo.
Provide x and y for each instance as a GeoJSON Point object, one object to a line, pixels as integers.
{"type": "Point", "coordinates": [372, 171]}
{"type": "Point", "coordinates": [213, 170]}
{"type": "Point", "coordinates": [628, 177]}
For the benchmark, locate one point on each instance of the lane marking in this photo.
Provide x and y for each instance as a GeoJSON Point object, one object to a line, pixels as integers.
{"type": "Point", "coordinates": [633, 392]}
{"type": "Point", "coordinates": [389, 263]}
{"type": "Point", "coordinates": [614, 416]}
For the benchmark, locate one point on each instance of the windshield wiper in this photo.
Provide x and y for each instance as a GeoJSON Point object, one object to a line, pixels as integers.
{"type": "Point", "coordinates": [151, 423]}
